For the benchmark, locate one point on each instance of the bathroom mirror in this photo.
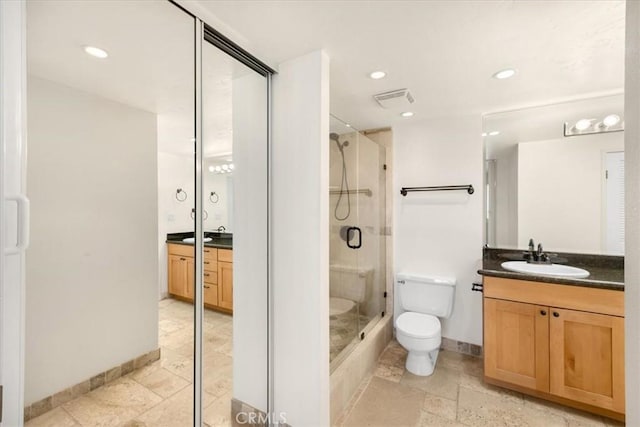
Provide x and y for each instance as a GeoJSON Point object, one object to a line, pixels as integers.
{"type": "Point", "coordinates": [566, 192]}
{"type": "Point", "coordinates": [218, 191]}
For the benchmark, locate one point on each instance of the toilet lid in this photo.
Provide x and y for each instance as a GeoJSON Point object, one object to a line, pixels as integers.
{"type": "Point", "coordinates": [418, 325]}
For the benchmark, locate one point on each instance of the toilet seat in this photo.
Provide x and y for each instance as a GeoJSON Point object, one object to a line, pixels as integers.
{"type": "Point", "coordinates": [418, 325]}
{"type": "Point", "coordinates": [338, 306]}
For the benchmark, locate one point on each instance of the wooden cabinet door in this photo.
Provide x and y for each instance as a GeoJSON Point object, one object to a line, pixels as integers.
{"type": "Point", "coordinates": [210, 294]}
{"type": "Point", "coordinates": [587, 358]}
{"type": "Point", "coordinates": [516, 342]}
{"type": "Point", "coordinates": [178, 275]}
{"type": "Point", "coordinates": [225, 285]}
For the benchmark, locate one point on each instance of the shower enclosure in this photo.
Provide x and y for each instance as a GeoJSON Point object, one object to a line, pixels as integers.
{"type": "Point", "coordinates": [357, 186]}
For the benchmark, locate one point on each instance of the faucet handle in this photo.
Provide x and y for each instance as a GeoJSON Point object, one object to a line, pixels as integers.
{"type": "Point", "coordinates": [531, 245]}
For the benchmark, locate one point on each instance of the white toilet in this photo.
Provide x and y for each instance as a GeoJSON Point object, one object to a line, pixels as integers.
{"type": "Point", "coordinates": [348, 288]}
{"type": "Point", "coordinates": [418, 329]}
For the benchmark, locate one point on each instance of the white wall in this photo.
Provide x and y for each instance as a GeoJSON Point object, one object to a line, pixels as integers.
{"type": "Point", "coordinates": [92, 268]}
{"type": "Point", "coordinates": [300, 244]}
{"type": "Point", "coordinates": [174, 171]}
{"type": "Point", "coordinates": [632, 213]}
{"type": "Point", "coordinates": [440, 233]}
{"type": "Point", "coordinates": [250, 240]}
{"type": "Point", "coordinates": [564, 175]}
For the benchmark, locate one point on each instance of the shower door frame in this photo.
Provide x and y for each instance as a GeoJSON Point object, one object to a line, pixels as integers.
{"type": "Point", "coordinates": [204, 33]}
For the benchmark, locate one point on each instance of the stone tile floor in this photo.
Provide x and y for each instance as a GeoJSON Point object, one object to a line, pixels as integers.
{"type": "Point", "coordinates": [161, 394]}
{"type": "Point", "coordinates": [455, 395]}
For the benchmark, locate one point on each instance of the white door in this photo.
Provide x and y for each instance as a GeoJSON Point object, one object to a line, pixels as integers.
{"type": "Point", "coordinates": [14, 208]}
{"type": "Point", "coordinates": [614, 203]}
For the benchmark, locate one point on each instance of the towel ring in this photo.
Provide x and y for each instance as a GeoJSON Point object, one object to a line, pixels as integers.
{"type": "Point", "coordinates": [178, 197]}
{"type": "Point", "coordinates": [205, 215]}
{"type": "Point", "coordinates": [214, 197]}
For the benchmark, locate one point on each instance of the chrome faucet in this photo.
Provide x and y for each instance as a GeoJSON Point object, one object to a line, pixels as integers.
{"type": "Point", "coordinates": [536, 256]}
{"type": "Point", "coordinates": [221, 229]}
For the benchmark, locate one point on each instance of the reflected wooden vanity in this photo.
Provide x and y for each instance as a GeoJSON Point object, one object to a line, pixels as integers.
{"type": "Point", "coordinates": [218, 275]}
{"type": "Point", "coordinates": [559, 342]}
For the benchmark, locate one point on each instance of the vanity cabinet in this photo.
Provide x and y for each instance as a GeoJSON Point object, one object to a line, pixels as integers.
{"type": "Point", "coordinates": [559, 342]}
{"type": "Point", "coordinates": [217, 272]}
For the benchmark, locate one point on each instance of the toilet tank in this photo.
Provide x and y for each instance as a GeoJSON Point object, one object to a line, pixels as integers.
{"type": "Point", "coordinates": [426, 294]}
{"type": "Point", "coordinates": [349, 282]}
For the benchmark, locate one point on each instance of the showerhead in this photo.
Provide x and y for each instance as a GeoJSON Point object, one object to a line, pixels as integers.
{"type": "Point", "coordinates": [335, 137]}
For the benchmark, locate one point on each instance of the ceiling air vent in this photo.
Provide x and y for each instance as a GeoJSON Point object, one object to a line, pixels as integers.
{"type": "Point", "coordinates": [395, 99]}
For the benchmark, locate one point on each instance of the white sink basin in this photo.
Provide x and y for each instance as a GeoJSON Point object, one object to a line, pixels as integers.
{"type": "Point", "coordinates": [557, 270]}
{"type": "Point", "coordinates": [193, 239]}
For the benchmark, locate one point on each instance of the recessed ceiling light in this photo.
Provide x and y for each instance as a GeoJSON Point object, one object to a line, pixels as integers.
{"type": "Point", "coordinates": [377, 75]}
{"type": "Point", "coordinates": [407, 114]}
{"type": "Point", "coordinates": [347, 125]}
{"type": "Point", "coordinates": [583, 124]}
{"type": "Point", "coordinates": [96, 51]}
{"type": "Point", "coordinates": [611, 120]}
{"type": "Point", "coordinates": [494, 133]}
{"type": "Point", "coordinates": [504, 74]}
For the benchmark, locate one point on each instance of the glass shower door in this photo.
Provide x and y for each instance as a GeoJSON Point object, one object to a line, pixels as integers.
{"type": "Point", "coordinates": [357, 241]}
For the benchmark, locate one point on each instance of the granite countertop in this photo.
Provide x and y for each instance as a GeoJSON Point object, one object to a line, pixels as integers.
{"type": "Point", "coordinates": [219, 240]}
{"type": "Point", "coordinates": [605, 271]}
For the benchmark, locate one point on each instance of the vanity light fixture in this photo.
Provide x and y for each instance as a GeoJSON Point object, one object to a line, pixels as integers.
{"type": "Point", "coordinates": [484, 134]}
{"type": "Point", "coordinates": [377, 75]}
{"type": "Point", "coordinates": [96, 52]}
{"type": "Point", "coordinates": [407, 114]}
{"type": "Point", "coordinates": [494, 133]}
{"type": "Point", "coordinates": [504, 74]}
{"type": "Point", "coordinates": [611, 120]}
{"type": "Point", "coordinates": [211, 168]}
{"type": "Point", "coordinates": [610, 123]}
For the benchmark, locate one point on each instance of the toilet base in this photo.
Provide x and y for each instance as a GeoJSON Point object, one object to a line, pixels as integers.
{"type": "Point", "coordinates": [422, 362]}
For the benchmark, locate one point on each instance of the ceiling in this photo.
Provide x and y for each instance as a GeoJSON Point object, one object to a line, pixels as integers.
{"type": "Point", "coordinates": [444, 52]}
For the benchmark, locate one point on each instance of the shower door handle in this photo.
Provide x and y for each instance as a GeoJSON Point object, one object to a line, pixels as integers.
{"type": "Point", "coordinates": [349, 230]}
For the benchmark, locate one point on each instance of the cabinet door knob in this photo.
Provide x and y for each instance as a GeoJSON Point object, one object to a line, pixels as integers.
{"type": "Point", "coordinates": [206, 274]}
{"type": "Point", "coordinates": [543, 312]}
{"type": "Point", "coordinates": [206, 286]}
{"type": "Point", "coordinates": [556, 314]}
{"type": "Point", "coordinates": [183, 259]}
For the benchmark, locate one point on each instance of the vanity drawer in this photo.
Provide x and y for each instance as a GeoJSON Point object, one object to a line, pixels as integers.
{"type": "Point", "coordinates": [225, 255]}
{"type": "Point", "coordinates": [210, 277]}
{"type": "Point", "coordinates": [210, 254]}
{"type": "Point", "coordinates": [583, 298]}
{"type": "Point", "coordinates": [180, 250]}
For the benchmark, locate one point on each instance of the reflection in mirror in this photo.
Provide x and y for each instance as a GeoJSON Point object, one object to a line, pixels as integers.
{"type": "Point", "coordinates": [218, 191]}
{"type": "Point", "coordinates": [564, 191]}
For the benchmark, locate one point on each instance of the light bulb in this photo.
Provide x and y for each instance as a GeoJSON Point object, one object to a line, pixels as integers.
{"type": "Point", "coordinates": [583, 124]}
